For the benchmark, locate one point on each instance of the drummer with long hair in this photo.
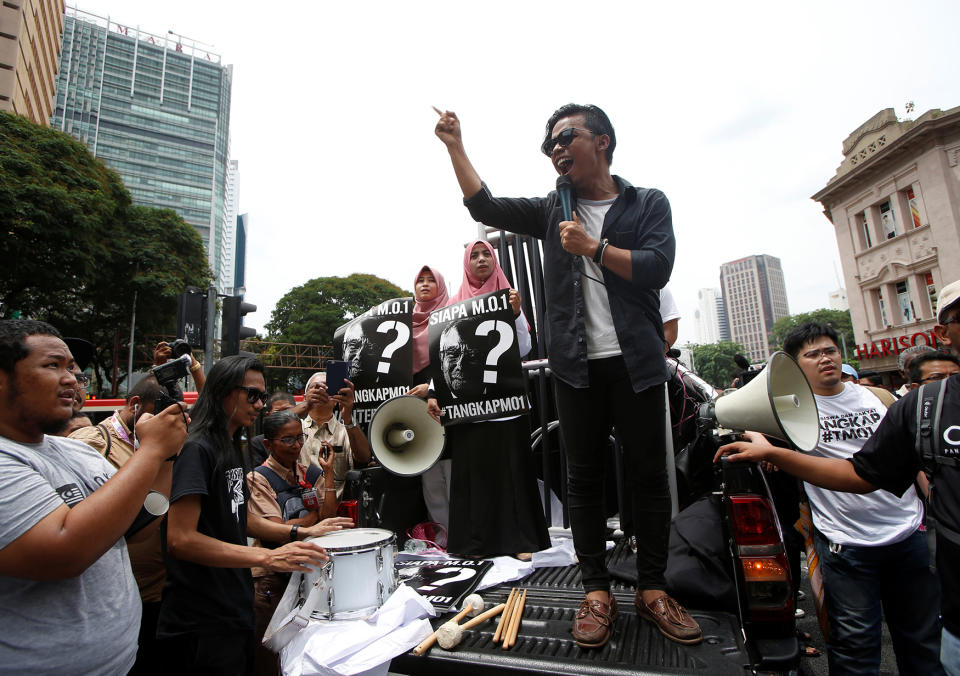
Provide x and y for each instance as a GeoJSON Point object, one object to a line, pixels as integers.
{"type": "Point", "coordinates": [494, 499]}
{"type": "Point", "coordinates": [206, 616]}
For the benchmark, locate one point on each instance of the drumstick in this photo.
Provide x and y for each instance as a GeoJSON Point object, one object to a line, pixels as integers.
{"type": "Point", "coordinates": [515, 622]}
{"type": "Point", "coordinates": [501, 627]}
{"type": "Point", "coordinates": [483, 617]}
{"type": "Point", "coordinates": [432, 638]}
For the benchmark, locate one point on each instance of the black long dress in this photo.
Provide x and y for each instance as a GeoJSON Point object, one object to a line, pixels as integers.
{"type": "Point", "coordinates": [494, 500]}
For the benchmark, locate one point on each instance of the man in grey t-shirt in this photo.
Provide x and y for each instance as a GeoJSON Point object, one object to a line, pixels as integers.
{"type": "Point", "coordinates": [68, 600]}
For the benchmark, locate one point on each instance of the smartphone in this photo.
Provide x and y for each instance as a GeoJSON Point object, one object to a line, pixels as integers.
{"type": "Point", "coordinates": [336, 373]}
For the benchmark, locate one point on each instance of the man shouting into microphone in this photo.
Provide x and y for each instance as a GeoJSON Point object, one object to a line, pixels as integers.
{"type": "Point", "coordinates": [604, 264]}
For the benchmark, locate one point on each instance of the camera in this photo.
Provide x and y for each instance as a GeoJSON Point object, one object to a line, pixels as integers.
{"type": "Point", "coordinates": [180, 347]}
{"type": "Point", "coordinates": [167, 375]}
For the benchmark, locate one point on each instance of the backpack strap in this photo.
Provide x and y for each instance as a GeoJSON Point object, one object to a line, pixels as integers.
{"type": "Point", "coordinates": [105, 433]}
{"type": "Point", "coordinates": [929, 407]}
{"type": "Point", "coordinates": [883, 395]}
{"type": "Point", "coordinates": [276, 482]}
{"type": "Point", "coordinates": [313, 474]}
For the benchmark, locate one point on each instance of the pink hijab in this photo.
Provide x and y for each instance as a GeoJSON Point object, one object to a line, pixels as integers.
{"type": "Point", "coordinates": [421, 317]}
{"type": "Point", "coordinates": [471, 285]}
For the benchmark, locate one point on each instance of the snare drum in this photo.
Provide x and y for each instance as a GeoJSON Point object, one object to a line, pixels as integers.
{"type": "Point", "coordinates": [358, 578]}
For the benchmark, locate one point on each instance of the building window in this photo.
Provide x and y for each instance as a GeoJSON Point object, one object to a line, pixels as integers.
{"type": "Point", "coordinates": [883, 309]}
{"type": "Point", "coordinates": [863, 227]}
{"type": "Point", "coordinates": [914, 206]}
{"type": "Point", "coordinates": [903, 300]}
{"type": "Point", "coordinates": [931, 292]}
{"type": "Point", "coordinates": [887, 220]}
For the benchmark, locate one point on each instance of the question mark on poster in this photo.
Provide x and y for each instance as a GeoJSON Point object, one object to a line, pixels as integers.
{"type": "Point", "coordinates": [403, 335]}
{"type": "Point", "coordinates": [461, 574]}
{"type": "Point", "coordinates": [506, 340]}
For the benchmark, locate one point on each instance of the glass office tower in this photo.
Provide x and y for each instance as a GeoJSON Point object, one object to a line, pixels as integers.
{"type": "Point", "coordinates": [155, 108]}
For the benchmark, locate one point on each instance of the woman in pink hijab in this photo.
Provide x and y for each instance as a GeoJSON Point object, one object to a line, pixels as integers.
{"type": "Point", "coordinates": [430, 293]}
{"type": "Point", "coordinates": [494, 500]}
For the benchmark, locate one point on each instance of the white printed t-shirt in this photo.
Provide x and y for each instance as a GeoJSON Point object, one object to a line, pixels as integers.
{"type": "Point", "coordinates": [847, 420]}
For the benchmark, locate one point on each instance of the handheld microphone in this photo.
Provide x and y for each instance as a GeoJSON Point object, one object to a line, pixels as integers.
{"type": "Point", "coordinates": [564, 190]}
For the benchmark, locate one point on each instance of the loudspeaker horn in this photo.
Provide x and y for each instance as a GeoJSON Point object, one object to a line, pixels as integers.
{"type": "Point", "coordinates": [778, 403]}
{"type": "Point", "coordinates": [403, 436]}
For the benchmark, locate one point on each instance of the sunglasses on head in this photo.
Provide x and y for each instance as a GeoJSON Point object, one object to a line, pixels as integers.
{"type": "Point", "coordinates": [562, 139]}
{"type": "Point", "coordinates": [253, 394]}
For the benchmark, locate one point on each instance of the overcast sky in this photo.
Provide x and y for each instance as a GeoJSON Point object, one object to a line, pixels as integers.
{"type": "Point", "coordinates": [737, 111]}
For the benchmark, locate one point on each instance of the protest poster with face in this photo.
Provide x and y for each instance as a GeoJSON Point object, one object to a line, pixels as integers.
{"type": "Point", "coordinates": [378, 347]}
{"type": "Point", "coordinates": [475, 359]}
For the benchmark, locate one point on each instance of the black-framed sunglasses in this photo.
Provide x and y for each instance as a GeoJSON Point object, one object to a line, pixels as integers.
{"type": "Point", "coordinates": [253, 394]}
{"type": "Point", "coordinates": [290, 441]}
{"type": "Point", "coordinates": [562, 139]}
{"type": "Point", "coordinates": [934, 376]}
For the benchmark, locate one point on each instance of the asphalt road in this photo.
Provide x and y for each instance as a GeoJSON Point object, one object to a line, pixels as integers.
{"type": "Point", "coordinates": [817, 666]}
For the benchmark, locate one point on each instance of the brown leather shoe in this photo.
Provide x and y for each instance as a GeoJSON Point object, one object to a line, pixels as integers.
{"type": "Point", "coordinates": [671, 619]}
{"type": "Point", "coordinates": [594, 622]}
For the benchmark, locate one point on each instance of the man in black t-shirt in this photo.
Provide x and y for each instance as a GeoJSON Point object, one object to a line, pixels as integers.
{"type": "Point", "coordinates": [206, 615]}
{"type": "Point", "coordinates": [890, 460]}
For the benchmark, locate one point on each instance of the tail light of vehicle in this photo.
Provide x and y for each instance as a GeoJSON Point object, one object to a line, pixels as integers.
{"type": "Point", "coordinates": [766, 573]}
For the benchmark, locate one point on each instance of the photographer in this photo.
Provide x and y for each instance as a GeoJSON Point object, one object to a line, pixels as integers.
{"type": "Point", "coordinates": [351, 447]}
{"type": "Point", "coordinates": [165, 351]}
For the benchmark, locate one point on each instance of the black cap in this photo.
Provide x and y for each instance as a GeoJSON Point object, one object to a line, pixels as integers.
{"type": "Point", "coordinates": [82, 351]}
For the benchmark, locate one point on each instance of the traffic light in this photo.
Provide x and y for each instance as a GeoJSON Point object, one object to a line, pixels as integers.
{"type": "Point", "coordinates": [233, 329]}
{"type": "Point", "coordinates": [191, 317]}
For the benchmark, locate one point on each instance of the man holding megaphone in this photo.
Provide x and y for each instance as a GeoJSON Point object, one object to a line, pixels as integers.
{"type": "Point", "coordinates": [873, 555]}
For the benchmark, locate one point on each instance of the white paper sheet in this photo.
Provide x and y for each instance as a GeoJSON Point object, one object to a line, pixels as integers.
{"type": "Point", "coordinates": [349, 647]}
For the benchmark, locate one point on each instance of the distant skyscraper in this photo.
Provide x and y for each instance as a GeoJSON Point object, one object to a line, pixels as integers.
{"type": "Point", "coordinates": [29, 48]}
{"type": "Point", "coordinates": [838, 299]}
{"type": "Point", "coordinates": [755, 296]}
{"type": "Point", "coordinates": [155, 108]}
{"type": "Point", "coordinates": [228, 243]}
{"type": "Point", "coordinates": [710, 317]}
{"type": "Point", "coordinates": [240, 256]}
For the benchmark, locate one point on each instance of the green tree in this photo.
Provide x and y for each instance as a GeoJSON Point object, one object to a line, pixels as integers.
{"type": "Point", "coordinates": [77, 249]}
{"type": "Point", "coordinates": [838, 319]}
{"type": "Point", "coordinates": [714, 362]}
{"type": "Point", "coordinates": [310, 314]}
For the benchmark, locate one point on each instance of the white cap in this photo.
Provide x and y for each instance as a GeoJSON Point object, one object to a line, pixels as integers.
{"type": "Point", "coordinates": [949, 295]}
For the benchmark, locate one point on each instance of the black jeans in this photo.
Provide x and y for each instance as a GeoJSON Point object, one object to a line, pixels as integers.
{"type": "Point", "coordinates": [226, 654]}
{"type": "Point", "coordinates": [587, 416]}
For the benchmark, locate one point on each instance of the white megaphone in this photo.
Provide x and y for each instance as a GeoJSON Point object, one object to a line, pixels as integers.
{"type": "Point", "coordinates": [778, 403]}
{"type": "Point", "coordinates": [403, 436]}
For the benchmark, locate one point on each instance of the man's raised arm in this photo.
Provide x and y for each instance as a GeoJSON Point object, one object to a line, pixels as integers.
{"type": "Point", "coordinates": [448, 131]}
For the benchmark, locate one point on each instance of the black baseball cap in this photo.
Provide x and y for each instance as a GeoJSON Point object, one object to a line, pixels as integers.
{"type": "Point", "coordinates": [82, 351]}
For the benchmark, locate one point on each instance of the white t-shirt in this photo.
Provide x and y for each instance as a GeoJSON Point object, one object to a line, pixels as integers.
{"type": "Point", "coordinates": [601, 334]}
{"type": "Point", "coordinates": [847, 420]}
{"type": "Point", "coordinates": [668, 306]}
